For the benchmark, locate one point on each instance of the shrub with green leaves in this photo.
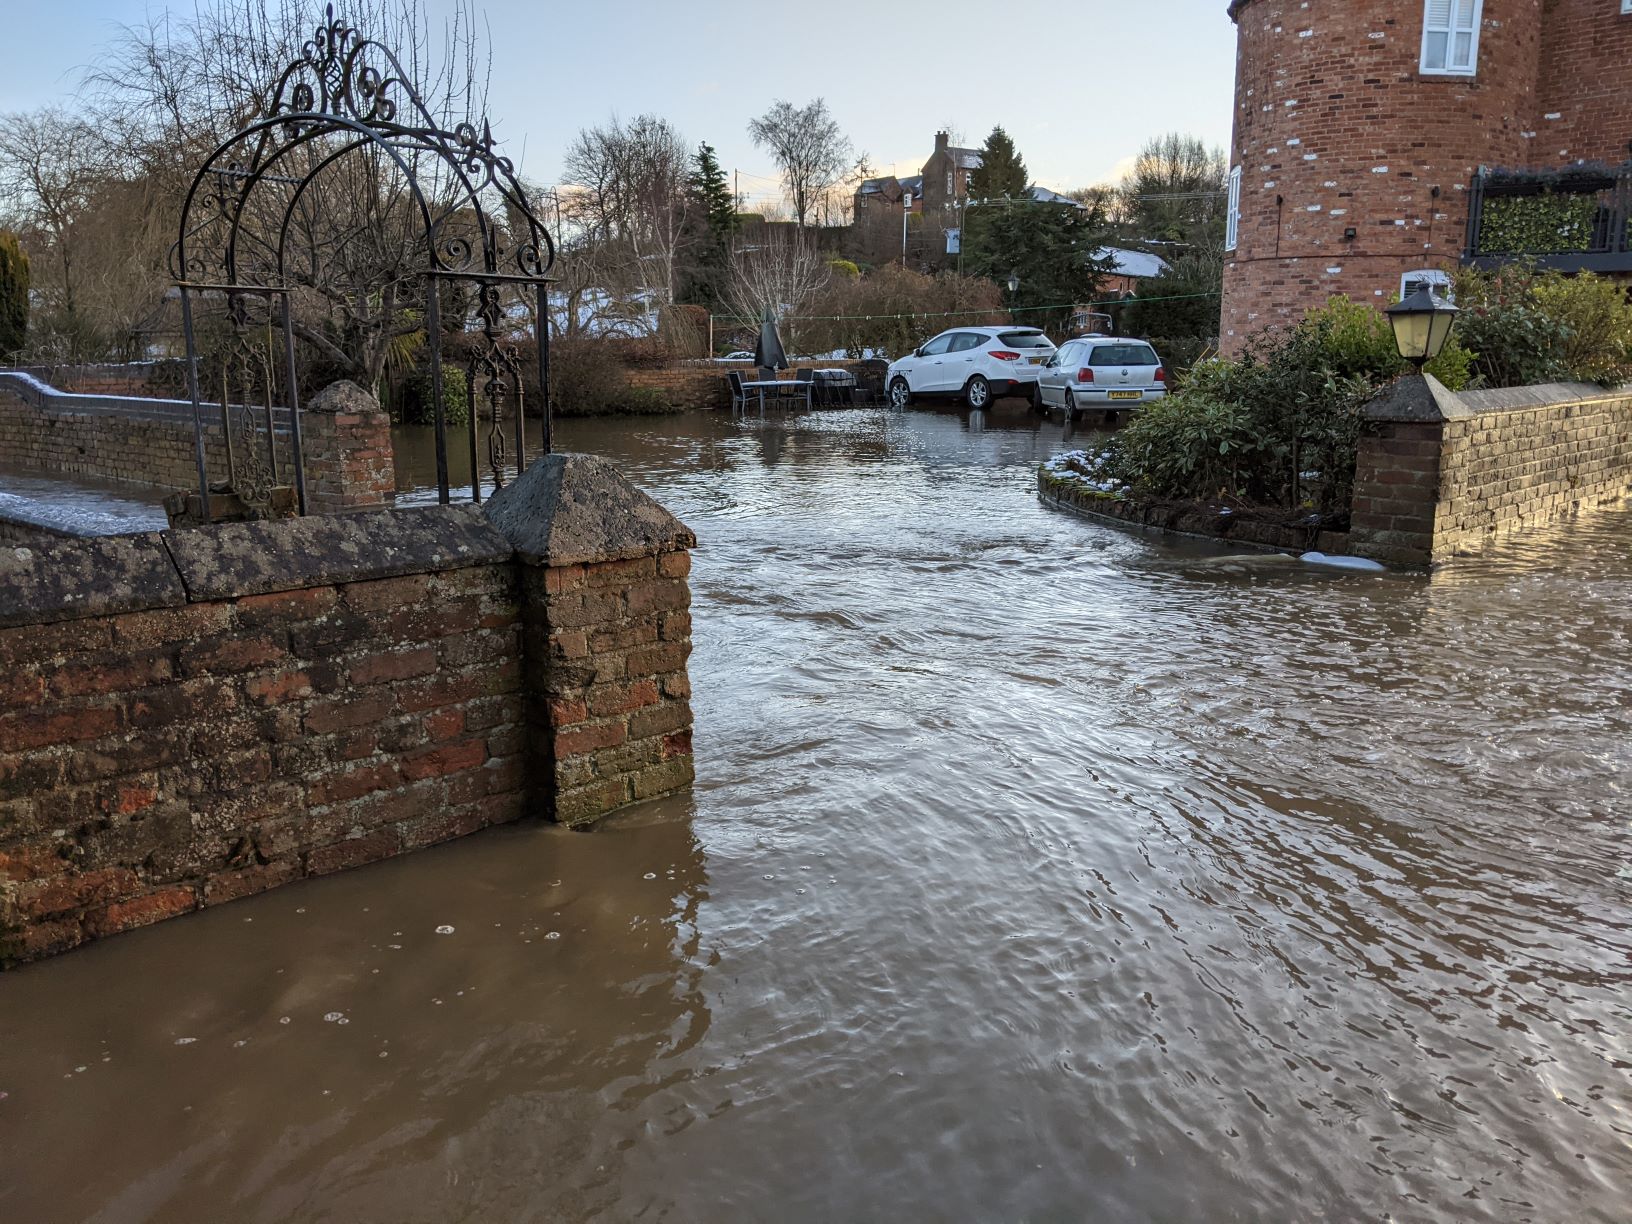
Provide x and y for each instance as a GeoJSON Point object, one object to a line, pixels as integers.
{"type": "Point", "coordinates": [1526, 327]}
{"type": "Point", "coordinates": [418, 404]}
{"type": "Point", "coordinates": [1276, 427]}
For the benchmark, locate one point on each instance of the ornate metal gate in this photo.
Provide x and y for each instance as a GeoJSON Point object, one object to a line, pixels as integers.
{"type": "Point", "coordinates": [262, 231]}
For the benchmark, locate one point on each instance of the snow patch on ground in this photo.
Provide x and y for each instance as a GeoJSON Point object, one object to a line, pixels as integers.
{"type": "Point", "coordinates": [1087, 470]}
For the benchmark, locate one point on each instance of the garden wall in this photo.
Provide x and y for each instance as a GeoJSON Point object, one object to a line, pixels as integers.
{"type": "Point", "coordinates": [192, 716]}
{"type": "Point", "coordinates": [1441, 474]}
{"type": "Point", "coordinates": [347, 441]}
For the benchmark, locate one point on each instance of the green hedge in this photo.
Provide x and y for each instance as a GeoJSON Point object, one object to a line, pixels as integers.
{"type": "Point", "coordinates": [1537, 224]}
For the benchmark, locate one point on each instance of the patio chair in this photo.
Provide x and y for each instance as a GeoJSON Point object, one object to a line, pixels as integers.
{"type": "Point", "coordinates": [739, 393]}
{"type": "Point", "coordinates": [803, 385]}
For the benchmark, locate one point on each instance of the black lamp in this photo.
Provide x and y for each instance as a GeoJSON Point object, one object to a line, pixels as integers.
{"type": "Point", "coordinates": [1014, 281]}
{"type": "Point", "coordinates": [1422, 324]}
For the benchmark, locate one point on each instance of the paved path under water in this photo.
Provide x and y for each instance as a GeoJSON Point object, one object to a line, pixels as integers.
{"type": "Point", "coordinates": [1035, 870]}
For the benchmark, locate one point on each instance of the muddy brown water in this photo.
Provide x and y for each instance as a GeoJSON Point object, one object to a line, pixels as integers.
{"type": "Point", "coordinates": [1035, 870]}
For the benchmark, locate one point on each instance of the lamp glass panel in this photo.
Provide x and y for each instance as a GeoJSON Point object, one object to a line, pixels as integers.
{"type": "Point", "coordinates": [1411, 334]}
{"type": "Point", "coordinates": [1439, 331]}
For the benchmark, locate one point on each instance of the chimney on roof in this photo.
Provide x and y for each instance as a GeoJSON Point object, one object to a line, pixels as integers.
{"type": "Point", "coordinates": [940, 142]}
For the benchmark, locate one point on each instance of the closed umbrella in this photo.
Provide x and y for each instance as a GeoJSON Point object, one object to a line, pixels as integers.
{"type": "Point", "coordinates": [768, 354]}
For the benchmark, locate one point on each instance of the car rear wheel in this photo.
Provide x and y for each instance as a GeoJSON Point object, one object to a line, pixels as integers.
{"type": "Point", "coordinates": [1070, 405]}
{"type": "Point", "coordinates": [978, 392]}
{"type": "Point", "coordinates": [900, 393]}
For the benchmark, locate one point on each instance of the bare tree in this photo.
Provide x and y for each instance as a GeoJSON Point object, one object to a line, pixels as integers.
{"type": "Point", "coordinates": [782, 274]}
{"type": "Point", "coordinates": [1175, 189]}
{"type": "Point", "coordinates": [167, 93]}
{"type": "Point", "coordinates": [630, 212]}
{"type": "Point", "coordinates": [810, 150]}
{"type": "Point", "coordinates": [51, 165]}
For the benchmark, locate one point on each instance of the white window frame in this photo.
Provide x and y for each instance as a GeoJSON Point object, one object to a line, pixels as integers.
{"type": "Point", "coordinates": [1433, 276]}
{"type": "Point", "coordinates": [1232, 211]}
{"type": "Point", "coordinates": [1450, 29]}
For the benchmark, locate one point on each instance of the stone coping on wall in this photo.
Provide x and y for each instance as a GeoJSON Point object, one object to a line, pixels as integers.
{"type": "Point", "coordinates": [579, 508]}
{"type": "Point", "coordinates": [1425, 398]}
{"type": "Point", "coordinates": [90, 577]}
{"type": "Point", "coordinates": [40, 394]}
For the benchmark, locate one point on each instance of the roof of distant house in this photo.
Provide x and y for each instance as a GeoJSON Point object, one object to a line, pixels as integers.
{"type": "Point", "coordinates": [913, 183]}
{"type": "Point", "coordinates": [1131, 263]}
{"type": "Point", "coordinates": [966, 159]}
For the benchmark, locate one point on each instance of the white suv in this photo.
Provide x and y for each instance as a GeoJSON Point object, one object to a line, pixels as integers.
{"type": "Point", "coordinates": [976, 363]}
{"type": "Point", "coordinates": [1108, 372]}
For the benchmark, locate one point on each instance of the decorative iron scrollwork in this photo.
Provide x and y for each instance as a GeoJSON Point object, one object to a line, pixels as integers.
{"type": "Point", "coordinates": [246, 371]}
{"type": "Point", "coordinates": [493, 376]}
{"type": "Point", "coordinates": [250, 225]}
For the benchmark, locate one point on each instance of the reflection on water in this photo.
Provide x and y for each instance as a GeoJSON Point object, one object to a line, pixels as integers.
{"type": "Point", "coordinates": [81, 503]}
{"type": "Point", "coordinates": [1035, 870]}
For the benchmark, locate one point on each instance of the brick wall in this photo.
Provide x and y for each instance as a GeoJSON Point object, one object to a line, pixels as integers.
{"type": "Point", "coordinates": [1336, 128]}
{"type": "Point", "coordinates": [1584, 109]}
{"type": "Point", "coordinates": [191, 717]}
{"type": "Point", "coordinates": [182, 752]}
{"type": "Point", "coordinates": [611, 652]}
{"type": "Point", "coordinates": [1440, 474]}
{"type": "Point", "coordinates": [116, 441]}
{"type": "Point", "coordinates": [346, 444]}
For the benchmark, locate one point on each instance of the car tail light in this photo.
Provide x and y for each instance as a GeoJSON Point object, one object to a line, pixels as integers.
{"type": "Point", "coordinates": [1085, 375]}
{"type": "Point", "coordinates": [1004, 355]}
{"type": "Point", "coordinates": [1161, 375]}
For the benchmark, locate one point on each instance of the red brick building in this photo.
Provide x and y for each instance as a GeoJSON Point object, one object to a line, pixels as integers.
{"type": "Point", "coordinates": [1360, 126]}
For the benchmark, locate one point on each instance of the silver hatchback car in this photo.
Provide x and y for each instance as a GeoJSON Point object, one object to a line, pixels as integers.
{"type": "Point", "coordinates": [1101, 372]}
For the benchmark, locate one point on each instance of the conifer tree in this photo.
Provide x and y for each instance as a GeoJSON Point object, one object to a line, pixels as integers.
{"type": "Point", "coordinates": [1002, 171]}
{"type": "Point", "coordinates": [13, 294]}
{"type": "Point", "coordinates": [707, 183]}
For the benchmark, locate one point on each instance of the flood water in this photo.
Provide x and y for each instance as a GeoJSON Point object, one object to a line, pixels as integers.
{"type": "Point", "coordinates": [1035, 870]}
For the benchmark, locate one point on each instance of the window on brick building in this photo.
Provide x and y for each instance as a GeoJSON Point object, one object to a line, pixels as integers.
{"type": "Point", "coordinates": [1450, 36]}
{"type": "Point", "coordinates": [1435, 279]}
{"type": "Point", "coordinates": [1626, 6]}
{"type": "Point", "coordinates": [1232, 210]}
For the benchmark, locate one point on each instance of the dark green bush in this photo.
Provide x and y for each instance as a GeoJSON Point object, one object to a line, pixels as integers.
{"type": "Point", "coordinates": [416, 405]}
{"type": "Point", "coordinates": [1276, 427]}
{"type": "Point", "coordinates": [1527, 327]}
{"type": "Point", "coordinates": [13, 294]}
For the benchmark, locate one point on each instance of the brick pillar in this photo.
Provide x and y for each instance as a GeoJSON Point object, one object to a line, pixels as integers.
{"type": "Point", "coordinates": [1397, 471]}
{"type": "Point", "coordinates": [606, 614]}
{"type": "Point", "coordinates": [346, 438]}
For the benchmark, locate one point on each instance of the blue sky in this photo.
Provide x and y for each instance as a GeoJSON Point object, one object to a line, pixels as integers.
{"type": "Point", "coordinates": [1079, 84]}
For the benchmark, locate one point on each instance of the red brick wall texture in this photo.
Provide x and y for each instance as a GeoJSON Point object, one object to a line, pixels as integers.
{"type": "Point", "coordinates": [190, 718]}
{"type": "Point", "coordinates": [1337, 129]}
{"type": "Point", "coordinates": [155, 761]}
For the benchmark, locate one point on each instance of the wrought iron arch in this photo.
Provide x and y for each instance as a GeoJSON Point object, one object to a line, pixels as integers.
{"type": "Point", "coordinates": [343, 95]}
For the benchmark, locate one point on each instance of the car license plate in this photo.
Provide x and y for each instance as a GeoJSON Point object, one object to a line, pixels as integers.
{"type": "Point", "coordinates": [1036, 361]}
{"type": "Point", "coordinates": [1125, 394]}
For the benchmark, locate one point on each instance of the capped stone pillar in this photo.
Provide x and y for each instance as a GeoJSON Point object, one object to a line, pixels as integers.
{"type": "Point", "coordinates": [1394, 512]}
{"type": "Point", "coordinates": [606, 616]}
{"type": "Point", "coordinates": [346, 447]}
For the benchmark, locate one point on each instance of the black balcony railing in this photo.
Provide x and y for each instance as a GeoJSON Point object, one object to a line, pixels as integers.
{"type": "Point", "coordinates": [1573, 219]}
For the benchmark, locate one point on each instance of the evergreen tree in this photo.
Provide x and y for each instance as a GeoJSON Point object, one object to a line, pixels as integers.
{"type": "Point", "coordinates": [13, 294]}
{"type": "Point", "coordinates": [1048, 246]}
{"type": "Point", "coordinates": [708, 185]}
{"type": "Point", "coordinates": [1002, 170]}
{"type": "Point", "coordinates": [704, 277]}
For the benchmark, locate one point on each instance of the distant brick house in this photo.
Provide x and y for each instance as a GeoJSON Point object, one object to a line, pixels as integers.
{"type": "Point", "coordinates": [1362, 131]}
{"type": "Point", "coordinates": [942, 183]}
